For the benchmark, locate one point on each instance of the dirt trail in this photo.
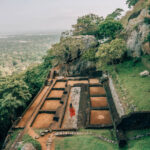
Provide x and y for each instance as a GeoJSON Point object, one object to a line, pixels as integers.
{"type": "Point", "coordinates": [30, 111]}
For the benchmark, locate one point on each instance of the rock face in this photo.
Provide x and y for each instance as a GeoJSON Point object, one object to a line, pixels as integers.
{"type": "Point", "coordinates": [144, 73]}
{"type": "Point", "coordinates": [77, 65]}
{"type": "Point", "coordinates": [137, 31]}
{"type": "Point", "coordinates": [28, 146]}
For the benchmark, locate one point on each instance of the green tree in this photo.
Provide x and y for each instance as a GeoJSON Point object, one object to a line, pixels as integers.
{"type": "Point", "coordinates": [71, 48]}
{"type": "Point", "coordinates": [87, 25]}
{"type": "Point", "coordinates": [36, 76]}
{"type": "Point", "coordinates": [115, 14]}
{"type": "Point", "coordinates": [109, 52]}
{"type": "Point", "coordinates": [131, 3]}
{"type": "Point", "coordinates": [109, 29]}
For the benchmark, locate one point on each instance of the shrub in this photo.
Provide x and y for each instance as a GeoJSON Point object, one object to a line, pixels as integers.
{"type": "Point", "coordinates": [109, 52]}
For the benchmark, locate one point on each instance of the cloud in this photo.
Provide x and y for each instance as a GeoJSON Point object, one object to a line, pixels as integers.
{"type": "Point", "coordinates": [28, 15]}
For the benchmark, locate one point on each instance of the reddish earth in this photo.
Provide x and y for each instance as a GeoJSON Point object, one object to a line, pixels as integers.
{"type": "Point", "coordinates": [71, 83]}
{"type": "Point", "coordinates": [100, 117]}
{"type": "Point", "coordinates": [51, 105]}
{"type": "Point", "coordinates": [99, 102]}
{"type": "Point", "coordinates": [60, 85]}
{"type": "Point", "coordinates": [94, 81]}
{"type": "Point", "coordinates": [97, 91]}
{"type": "Point", "coordinates": [30, 111]}
{"type": "Point", "coordinates": [56, 93]}
{"type": "Point", "coordinates": [43, 120]}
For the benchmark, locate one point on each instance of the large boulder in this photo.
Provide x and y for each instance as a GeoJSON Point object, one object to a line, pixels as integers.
{"type": "Point", "coordinates": [28, 146]}
{"type": "Point", "coordinates": [137, 31]}
{"type": "Point", "coordinates": [68, 55]}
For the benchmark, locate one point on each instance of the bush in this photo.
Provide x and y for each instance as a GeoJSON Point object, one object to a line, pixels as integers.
{"type": "Point", "coordinates": [147, 20]}
{"type": "Point", "coordinates": [109, 29]}
{"type": "Point", "coordinates": [134, 15]}
{"type": "Point", "coordinates": [109, 52]}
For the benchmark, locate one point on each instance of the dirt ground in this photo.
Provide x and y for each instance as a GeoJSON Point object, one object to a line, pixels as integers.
{"type": "Point", "coordinates": [94, 81]}
{"type": "Point", "coordinates": [51, 105]}
{"type": "Point", "coordinates": [27, 115]}
{"type": "Point", "coordinates": [71, 83]}
{"type": "Point", "coordinates": [43, 120]}
{"type": "Point", "coordinates": [100, 117]}
{"type": "Point", "coordinates": [56, 93]}
{"type": "Point", "coordinates": [99, 102]}
{"type": "Point", "coordinates": [60, 85]}
{"type": "Point", "coordinates": [97, 91]}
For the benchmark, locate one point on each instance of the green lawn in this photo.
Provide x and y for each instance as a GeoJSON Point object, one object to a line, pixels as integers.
{"type": "Point", "coordinates": [133, 90]}
{"type": "Point", "coordinates": [82, 143]}
{"type": "Point", "coordinates": [93, 143]}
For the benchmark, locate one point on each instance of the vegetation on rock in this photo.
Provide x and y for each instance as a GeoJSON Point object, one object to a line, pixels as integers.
{"type": "Point", "coordinates": [108, 53]}
{"type": "Point", "coordinates": [87, 25]}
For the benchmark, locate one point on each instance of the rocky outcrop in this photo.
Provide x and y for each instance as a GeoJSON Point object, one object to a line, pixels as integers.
{"type": "Point", "coordinates": [73, 63]}
{"type": "Point", "coordinates": [28, 146]}
{"type": "Point", "coordinates": [137, 31]}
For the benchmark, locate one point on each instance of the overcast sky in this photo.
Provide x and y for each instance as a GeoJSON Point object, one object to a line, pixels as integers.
{"type": "Point", "coordinates": [52, 15]}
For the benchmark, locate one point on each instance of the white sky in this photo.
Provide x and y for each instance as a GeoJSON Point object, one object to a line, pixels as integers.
{"type": "Point", "coordinates": [50, 15]}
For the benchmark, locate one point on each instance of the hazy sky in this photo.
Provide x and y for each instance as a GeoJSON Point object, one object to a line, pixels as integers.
{"type": "Point", "coordinates": [43, 15]}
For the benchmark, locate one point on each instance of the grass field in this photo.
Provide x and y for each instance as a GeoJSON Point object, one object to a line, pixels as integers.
{"type": "Point", "coordinates": [82, 143]}
{"type": "Point", "coordinates": [93, 143]}
{"type": "Point", "coordinates": [133, 90]}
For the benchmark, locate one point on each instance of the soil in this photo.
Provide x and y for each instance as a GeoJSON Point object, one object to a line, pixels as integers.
{"type": "Point", "coordinates": [100, 117]}
{"type": "Point", "coordinates": [97, 91]}
{"type": "Point", "coordinates": [94, 81]}
{"type": "Point", "coordinates": [98, 102]}
{"type": "Point", "coordinates": [30, 111]}
{"type": "Point", "coordinates": [51, 105]}
{"type": "Point", "coordinates": [43, 141]}
{"type": "Point", "coordinates": [56, 93]}
{"type": "Point", "coordinates": [43, 120]}
{"type": "Point", "coordinates": [71, 83]}
{"type": "Point", "coordinates": [60, 85]}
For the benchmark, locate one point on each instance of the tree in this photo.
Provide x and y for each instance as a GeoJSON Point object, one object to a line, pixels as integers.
{"type": "Point", "coordinates": [71, 48]}
{"type": "Point", "coordinates": [109, 29]}
{"type": "Point", "coordinates": [131, 3]}
{"type": "Point", "coordinates": [115, 15]}
{"type": "Point", "coordinates": [87, 25]}
{"type": "Point", "coordinates": [109, 52]}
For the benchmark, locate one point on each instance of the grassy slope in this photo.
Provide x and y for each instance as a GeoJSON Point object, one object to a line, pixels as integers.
{"type": "Point", "coordinates": [82, 143]}
{"type": "Point", "coordinates": [133, 90]}
{"type": "Point", "coordinates": [93, 143]}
